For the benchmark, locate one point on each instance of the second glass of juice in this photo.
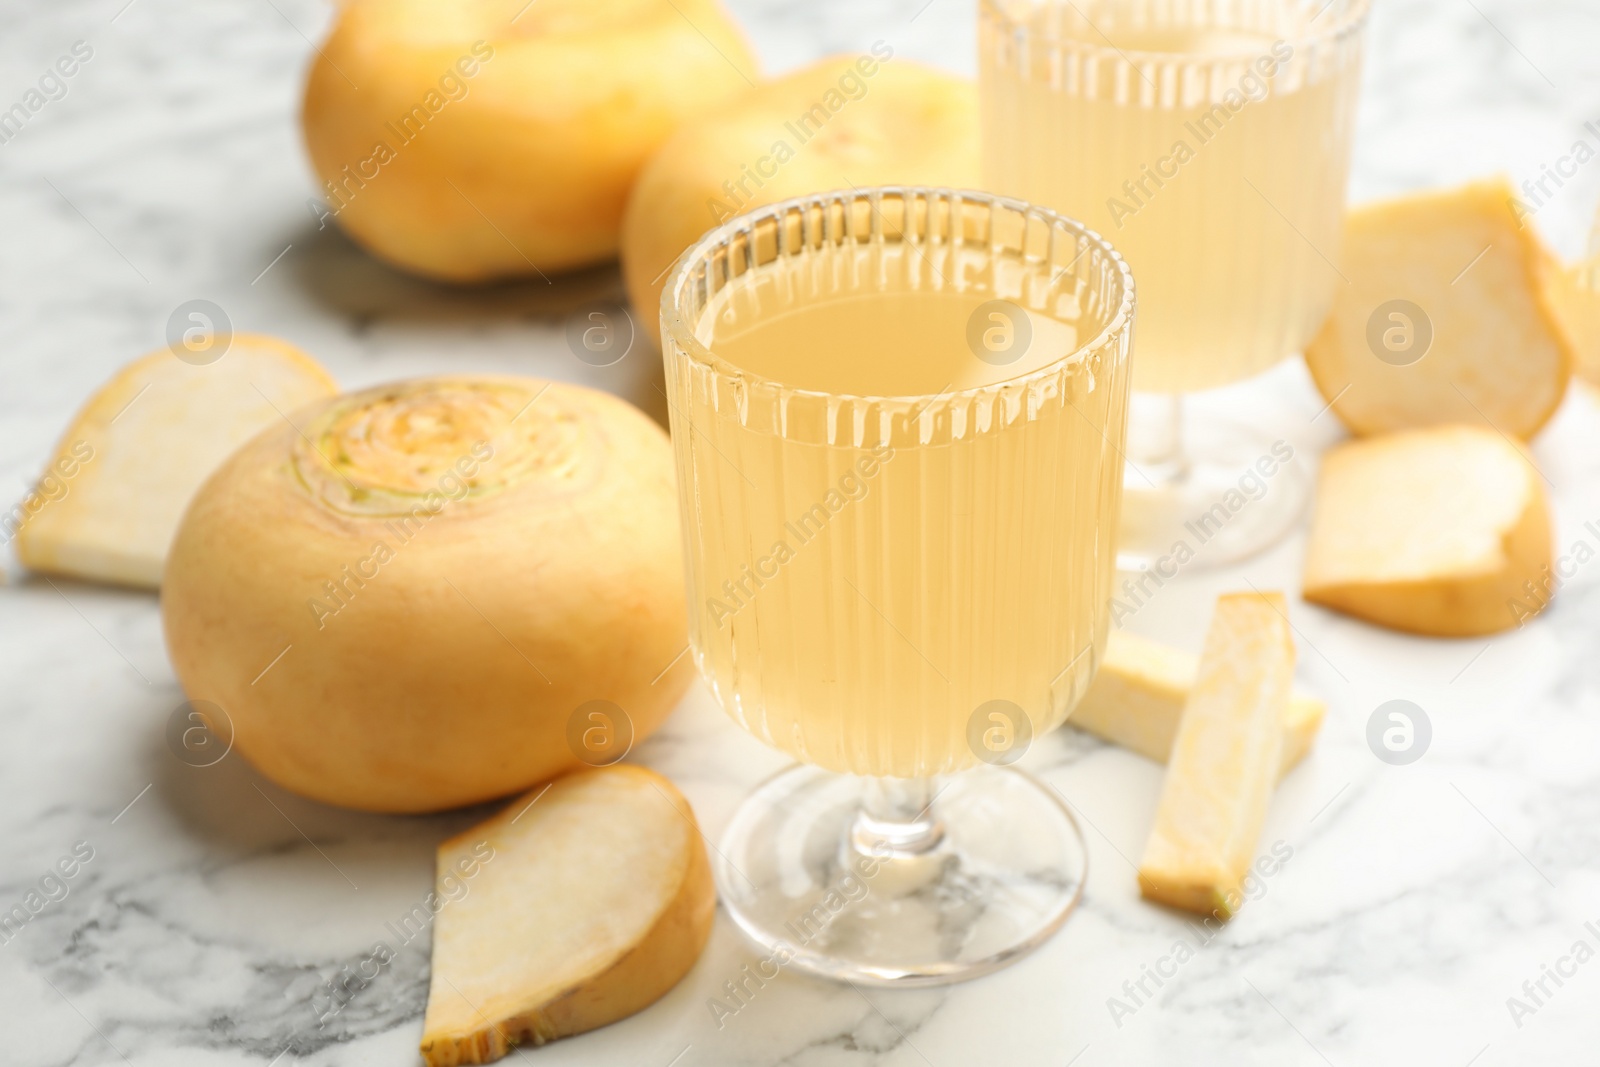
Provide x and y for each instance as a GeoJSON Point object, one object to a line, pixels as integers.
{"type": "Point", "coordinates": [1210, 142]}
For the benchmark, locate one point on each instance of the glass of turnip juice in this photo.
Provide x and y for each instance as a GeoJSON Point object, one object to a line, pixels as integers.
{"type": "Point", "coordinates": [898, 416]}
{"type": "Point", "coordinates": [1209, 140]}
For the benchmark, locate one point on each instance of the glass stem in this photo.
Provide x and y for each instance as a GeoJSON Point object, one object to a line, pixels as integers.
{"type": "Point", "coordinates": [896, 818]}
{"type": "Point", "coordinates": [1155, 437]}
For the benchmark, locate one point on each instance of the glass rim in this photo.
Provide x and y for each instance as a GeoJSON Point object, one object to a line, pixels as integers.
{"type": "Point", "coordinates": [1351, 21]}
{"type": "Point", "coordinates": [678, 331]}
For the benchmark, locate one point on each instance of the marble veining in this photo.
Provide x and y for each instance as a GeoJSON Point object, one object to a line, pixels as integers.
{"type": "Point", "coordinates": [220, 919]}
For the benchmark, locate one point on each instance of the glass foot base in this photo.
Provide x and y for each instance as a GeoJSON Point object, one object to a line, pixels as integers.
{"type": "Point", "coordinates": [954, 889]}
{"type": "Point", "coordinates": [1237, 492]}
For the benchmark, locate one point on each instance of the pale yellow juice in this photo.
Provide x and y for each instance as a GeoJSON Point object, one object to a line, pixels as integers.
{"type": "Point", "coordinates": [866, 573]}
{"type": "Point", "coordinates": [1214, 159]}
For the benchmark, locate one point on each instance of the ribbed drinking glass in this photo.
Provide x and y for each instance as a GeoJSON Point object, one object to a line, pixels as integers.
{"type": "Point", "coordinates": [898, 417]}
{"type": "Point", "coordinates": [1210, 141]}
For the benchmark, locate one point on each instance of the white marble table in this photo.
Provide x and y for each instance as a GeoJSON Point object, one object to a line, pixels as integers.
{"type": "Point", "coordinates": [1418, 899]}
